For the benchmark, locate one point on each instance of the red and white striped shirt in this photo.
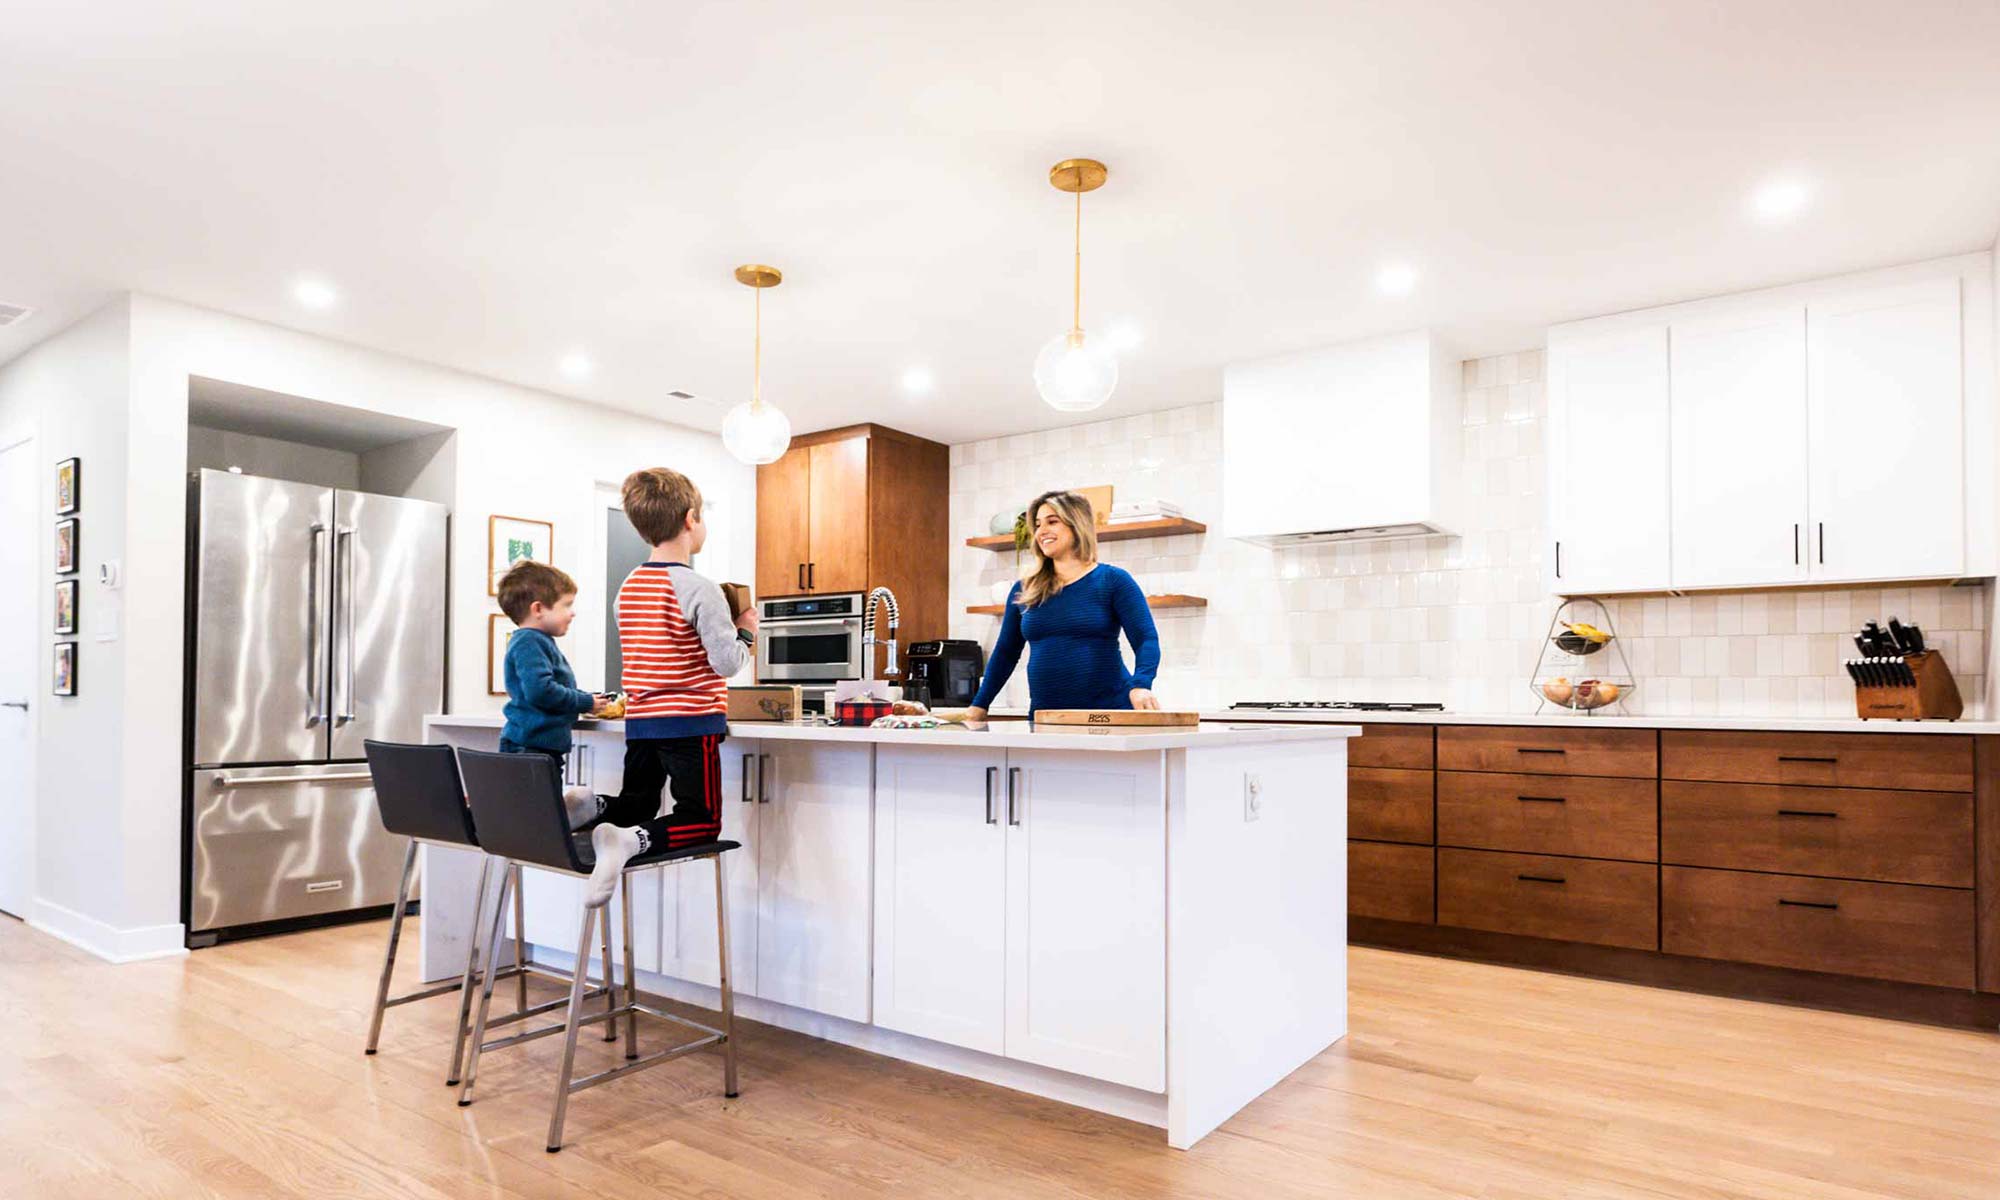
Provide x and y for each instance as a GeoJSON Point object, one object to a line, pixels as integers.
{"type": "Point", "coordinates": [679, 648]}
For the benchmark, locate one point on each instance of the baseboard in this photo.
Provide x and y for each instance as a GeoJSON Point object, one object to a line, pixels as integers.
{"type": "Point", "coordinates": [107, 942]}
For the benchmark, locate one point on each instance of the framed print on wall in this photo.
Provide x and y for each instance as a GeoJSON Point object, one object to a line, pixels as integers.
{"type": "Point", "coordinates": [498, 628]}
{"type": "Point", "coordinates": [64, 683]}
{"type": "Point", "coordinates": [67, 548]}
{"type": "Point", "coordinates": [69, 486]}
{"type": "Point", "coordinates": [66, 606]}
{"type": "Point", "coordinates": [511, 539]}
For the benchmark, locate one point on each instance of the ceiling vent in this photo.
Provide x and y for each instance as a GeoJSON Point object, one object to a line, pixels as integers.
{"type": "Point", "coordinates": [13, 314]}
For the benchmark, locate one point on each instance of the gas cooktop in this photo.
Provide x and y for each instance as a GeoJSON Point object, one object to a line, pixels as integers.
{"type": "Point", "coordinates": [1339, 705]}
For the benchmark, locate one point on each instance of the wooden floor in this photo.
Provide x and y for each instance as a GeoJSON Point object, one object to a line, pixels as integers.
{"type": "Point", "coordinates": [237, 1072]}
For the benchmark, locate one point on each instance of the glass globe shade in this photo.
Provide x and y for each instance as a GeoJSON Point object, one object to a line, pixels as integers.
{"type": "Point", "coordinates": [756, 433]}
{"type": "Point", "coordinates": [1074, 375]}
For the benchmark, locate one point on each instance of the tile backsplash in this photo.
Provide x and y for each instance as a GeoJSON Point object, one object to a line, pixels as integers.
{"type": "Point", "coordinates": [1458, 620]}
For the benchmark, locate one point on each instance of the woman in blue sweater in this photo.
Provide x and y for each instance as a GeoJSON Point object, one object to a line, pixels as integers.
{"type": "Point", "coordinates": [1071, 611]}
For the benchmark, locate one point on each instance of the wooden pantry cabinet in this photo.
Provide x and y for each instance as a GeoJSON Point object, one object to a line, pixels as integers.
{"type": "Point", "coordinates": [1856, 870]}
{"type": "Point", "coordinates": [856, 508]}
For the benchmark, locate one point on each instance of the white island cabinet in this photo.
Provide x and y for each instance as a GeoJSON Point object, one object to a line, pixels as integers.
{"type": "Point", "coordinates": [1148, 923]}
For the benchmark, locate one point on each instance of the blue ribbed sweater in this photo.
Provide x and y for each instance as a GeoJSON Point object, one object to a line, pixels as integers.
{"type": "Point", "coordinates": [1076, 662]}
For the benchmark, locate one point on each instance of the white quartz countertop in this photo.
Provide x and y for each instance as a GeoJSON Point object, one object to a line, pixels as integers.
{"type": "Point", "coordinates": [993, 735]}
{"type": "Point", "coordinates": [1566, 721]}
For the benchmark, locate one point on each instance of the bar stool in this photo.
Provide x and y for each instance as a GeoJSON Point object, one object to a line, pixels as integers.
{"type": "Point", "coordinates": [517, 802]}
{"type": "Point", "coordinates": [418, 794]}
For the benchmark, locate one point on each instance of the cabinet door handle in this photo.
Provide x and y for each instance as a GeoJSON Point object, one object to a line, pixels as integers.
{"type": "Point", "coordinates": [1806, 812]}
{"type": "Point", "coordinates": [763, 788]}
{"type": "Point", "coordinates": [1013, 793]}
{"type": "Point", "coordinates": [1543, 799]}
{"type": "Point", "coordinates": [1539, 750]}
{"type": "Point", "coordinates": [1811, 758]}
{"type": "Point", "coordinates": [812, 571]}
{"type": "Point", "coordinates": [1806, 904]}
{"type": "Point", "coordinates": [802, 577]}
{"type": "Point", "coordinates": [1795, 543]}
{"type": "Point", "coordinates": [1822, 543]}
{"type": "Point", "coordinates": [1541, 879]}
{"type": "Point", "coordinates": [992, 786]}
{"type": "Point", "coordinates": [1559, 559]}
{"type": "Point", "coordinates": [746, 777]}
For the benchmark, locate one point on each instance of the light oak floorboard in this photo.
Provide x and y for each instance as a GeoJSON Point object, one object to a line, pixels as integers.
{"type": "Point", "coordinates": [237, 1072]}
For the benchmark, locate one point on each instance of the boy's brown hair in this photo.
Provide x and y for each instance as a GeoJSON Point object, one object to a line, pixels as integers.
{"type": "Point", "coordinates": [658, 501]}
{"type": "Point", "coordinates": [528, 581]}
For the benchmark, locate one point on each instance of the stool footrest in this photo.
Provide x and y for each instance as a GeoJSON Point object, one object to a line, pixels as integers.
{"type": "Point", "coordinates": [454, 985]}
{"type": "Point", "coordinates": [651, 1060]}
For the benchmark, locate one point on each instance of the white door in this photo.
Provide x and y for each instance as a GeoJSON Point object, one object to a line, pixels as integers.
{"type": "Point", "coordinates": [1886, 412]}
{"type": "Point", "coordinates": [691, 902]}
{"type": "Point", "coordinates": [940, 889]}
{"type": "Point", "coordinates": [1739, 448]}
{"type": "Point", "coordinates": [1087, 914]}
{"type": "Point", "coordinates": [1607, 467]}
{"type": "Point", "coordinates": [21, 692]}
{"type": "Point", "coordinates": [814, 845]}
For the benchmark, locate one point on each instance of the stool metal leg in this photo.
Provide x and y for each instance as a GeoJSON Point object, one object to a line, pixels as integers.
{"type": "Point", "coordinates": [631, 974]}
{"type": "Point", "coordinates": [610, 980]}
{"type": "Point", "coordinates": [465, 983]}
{"type": "Point", "coordinates": [575, 1016]}
{"type": "Point", "coordinates": [486, 984]}
{"type": "Point", "coordinates": [520, 943]}
{"type": "Point", "coordinates": [722, 971]}
{"type": "Point", "coordinates": [389, 958]}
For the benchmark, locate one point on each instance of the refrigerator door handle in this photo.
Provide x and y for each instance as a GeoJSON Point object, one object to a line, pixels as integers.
{"type": "Point", "coordinates": [232, 781]}
{"type": "Point", "coordinates": [344, 600]}
{"type": "Point", "coordinates": [316, 664]}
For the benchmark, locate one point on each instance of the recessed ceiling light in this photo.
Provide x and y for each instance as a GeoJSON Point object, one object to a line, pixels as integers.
{"type": "Point", "coordinates": [1396, 279]}
{"type": "Point", "coordinates": [1124, 335]}
{"type": "Point", "coordinates": [315, 293]}
{"type": "Point", "coordinates": [1779, 200]}
{"type": "Point", "coordinates": [576, 366]}
{"type": "Point", "coordinates": [917, 380]}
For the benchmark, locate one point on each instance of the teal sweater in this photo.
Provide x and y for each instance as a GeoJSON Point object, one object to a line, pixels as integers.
{"type": "Point", "coordinates": [543, 701]}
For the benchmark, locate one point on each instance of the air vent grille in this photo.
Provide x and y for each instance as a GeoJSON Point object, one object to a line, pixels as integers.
{"type": "Point", "coordinates": [11, 314]}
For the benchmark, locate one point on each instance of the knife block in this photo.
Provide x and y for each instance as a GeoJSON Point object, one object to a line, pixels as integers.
{"type": "Point", "coordinates": [1935, 695]}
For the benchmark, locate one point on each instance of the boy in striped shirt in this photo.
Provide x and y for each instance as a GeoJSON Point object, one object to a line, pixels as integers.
{"type": "Point", "coordinates": [679, 646]}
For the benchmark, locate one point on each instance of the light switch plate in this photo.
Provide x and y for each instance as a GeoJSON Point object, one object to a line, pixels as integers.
{"type": "Point", "coordinates": [1253, 797]}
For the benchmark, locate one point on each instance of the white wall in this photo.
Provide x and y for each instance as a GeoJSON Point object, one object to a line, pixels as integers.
{"type": "Point", "coordinates": [221, 449]}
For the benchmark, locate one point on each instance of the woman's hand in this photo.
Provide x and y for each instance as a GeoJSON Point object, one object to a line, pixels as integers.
{"type": "Point", "coordinates": [974, 714]}
{"type": "Point", "coordinates": [1145, 700]}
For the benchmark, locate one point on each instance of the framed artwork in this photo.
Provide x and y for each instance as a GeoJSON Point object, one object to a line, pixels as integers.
{"type": "Point", "coordinates": [66, 606]}
{"type": "Point", "coordinates": [68, 551]}
{"type": "Point", "coordinates": [498, 629]}
{"type": "Point", "coordinates": [69, 486]}
{"type": "Point", "coordinates": [64, 683]}
{"type": "Point", "coordinates": [511, 539]}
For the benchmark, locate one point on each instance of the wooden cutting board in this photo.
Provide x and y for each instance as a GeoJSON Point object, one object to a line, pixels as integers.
{"type": "Point", "coordinates": [1112, 716]}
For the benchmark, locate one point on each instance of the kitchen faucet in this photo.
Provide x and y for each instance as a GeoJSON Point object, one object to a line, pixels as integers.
{"type": "Point", "coordinates": [868, 640]}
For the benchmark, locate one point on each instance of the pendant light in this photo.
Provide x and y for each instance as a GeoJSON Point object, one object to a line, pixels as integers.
{"type": "Point", "coordinates": [1074, 375]}
{"type": "Point", "coordinates": [756, 432]}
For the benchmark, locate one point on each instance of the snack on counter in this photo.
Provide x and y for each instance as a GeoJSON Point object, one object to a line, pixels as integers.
{"type": "Point", "coordinates": [614, 708]}
{"type": "Point", "coordinates": [909, 708]}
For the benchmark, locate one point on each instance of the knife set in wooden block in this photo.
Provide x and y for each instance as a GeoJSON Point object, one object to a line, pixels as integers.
{"type": "Point", "coordinates": [1907, 687]}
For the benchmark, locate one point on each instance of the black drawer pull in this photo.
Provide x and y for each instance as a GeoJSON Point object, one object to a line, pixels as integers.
{"type": "Point", "coordinates": [1806, 904]}
{"type": "Point", "coordinates": [1543, 799]}
{"type": "Point", "coordinates": [1541, 879]}
{"type": "Point", "coordinates": [1538, 750]}
{"type": "Point", "coordinates": [1811, 758]}
{"type": "Point", "coordinates": [1805, 812]}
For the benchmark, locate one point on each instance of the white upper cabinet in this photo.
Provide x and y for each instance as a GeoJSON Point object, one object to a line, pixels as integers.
{"type": "Point", "coordinates": [1607, 464]}
{"type": "Point", "coordinates": [1886, 433]}
{"type": "Point", "coordinates": [1739, 462]}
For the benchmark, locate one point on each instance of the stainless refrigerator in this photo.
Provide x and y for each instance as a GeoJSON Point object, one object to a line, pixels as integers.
{"type": "Point", "coordinates": [316, 619]}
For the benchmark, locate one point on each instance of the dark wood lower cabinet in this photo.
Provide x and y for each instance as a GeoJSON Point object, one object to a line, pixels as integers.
{"type": "Point", "coordinates": [1848, 833]}
{"type": "Point", "coordinates": [1388, 804]}
{"type": "Point", "coordinates": [1389, 881]}
{"type": "Point", "coordinates": [1570, 899]}
{"type": "Point", "coordinates": [1581, 816]}
{"type": "Point", "coordinates": [1882, 930]}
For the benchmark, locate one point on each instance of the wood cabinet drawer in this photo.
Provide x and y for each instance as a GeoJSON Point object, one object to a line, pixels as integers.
{"type": "Point", "coordinates": [1389, 805]}
{"type": "Point", "coordinates": [1395, 883]}
{"type": "Point", "coordinates": [1406, 746]}
{"type": "Point", "coordinates": [1585, 816]}
{"type": "Point", "coordinates": [1930, 762]}
{"type": "Point", "coordinates": [1853, 833]}
{"type": "Point", "coordinates": [1568, 899]}
{"type": "Point", "coordinates": [1625, 752]}
{"type": "Point", "coordinates": [1881, 930]}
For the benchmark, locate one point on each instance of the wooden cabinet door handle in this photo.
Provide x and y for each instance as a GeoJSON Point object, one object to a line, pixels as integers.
{"type": "Point", "coordinates": [1806, 904]}
{"type": "Point", "coordinates": [1806, 812]}
{"type": "Point", "coordinates": [1810, 758]}
{"type": "Point", "coordinates": [1538, 750]}
{"type": "Point", "coordinates": [1541, 879]}
{"type": "Point", "coordinates": [1543, 799]}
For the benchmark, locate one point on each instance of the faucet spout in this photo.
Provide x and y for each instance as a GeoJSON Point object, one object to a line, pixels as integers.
{"type": "Point", "coordinates": [868, 638]}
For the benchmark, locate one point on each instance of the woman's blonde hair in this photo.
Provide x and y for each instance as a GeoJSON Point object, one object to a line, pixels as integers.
{"type": "Point", "coordinates": [1074, 511]}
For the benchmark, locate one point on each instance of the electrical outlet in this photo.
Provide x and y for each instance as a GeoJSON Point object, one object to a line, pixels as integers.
{"type": "Point", "coordinates": [1253, 797]}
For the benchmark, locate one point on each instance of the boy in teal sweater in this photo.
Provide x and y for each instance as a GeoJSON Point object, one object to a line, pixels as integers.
{"type": "Point", "coordinates": [543, 701]}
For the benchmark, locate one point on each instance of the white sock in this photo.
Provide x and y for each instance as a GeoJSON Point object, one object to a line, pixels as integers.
{"type": "Point", "coordinates": [614, 846]}
{"type": "Point", "coordinates": [583, 806]}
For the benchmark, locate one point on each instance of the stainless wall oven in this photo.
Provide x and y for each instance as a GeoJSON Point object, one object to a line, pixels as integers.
{"type": "Point", "coordinates": [809, 639]}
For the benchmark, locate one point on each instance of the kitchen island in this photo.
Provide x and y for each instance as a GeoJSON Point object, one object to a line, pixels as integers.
{"type": "Point", "coordinates": [1144, 923]}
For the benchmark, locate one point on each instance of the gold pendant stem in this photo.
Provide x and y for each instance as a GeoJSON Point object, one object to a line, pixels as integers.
{"type": "Point", "coordinates": [1076, 312]}
{"type": "Point", "coordinates": [757, 351]}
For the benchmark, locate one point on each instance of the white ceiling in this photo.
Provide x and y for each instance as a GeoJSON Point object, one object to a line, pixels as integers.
{"type": "Point", "coordinates": [494, 185]}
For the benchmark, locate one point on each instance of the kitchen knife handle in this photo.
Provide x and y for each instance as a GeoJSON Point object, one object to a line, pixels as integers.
{"type": "Point", "coordinates": [992, 786]}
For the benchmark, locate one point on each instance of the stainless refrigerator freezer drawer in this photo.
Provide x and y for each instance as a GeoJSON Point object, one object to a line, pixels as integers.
{"type": "Point", "coordinates": [271, 843]}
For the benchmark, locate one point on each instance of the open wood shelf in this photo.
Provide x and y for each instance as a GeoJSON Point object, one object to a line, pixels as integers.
{"type": "Point", "coordinates": [1170, 600]}
{"type": "Point", "coordinates": [1105, 533]}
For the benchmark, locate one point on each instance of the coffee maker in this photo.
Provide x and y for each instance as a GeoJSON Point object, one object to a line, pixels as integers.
{"type": "Point", "coordinates": [947, 672]}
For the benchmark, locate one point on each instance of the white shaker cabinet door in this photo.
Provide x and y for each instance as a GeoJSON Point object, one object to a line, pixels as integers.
{"type": "Point", "coordinates": [1739, 448]}
{"type": "Point", "coordinates": [1086, 914]}
{"type": "Point", "coordinates": [691, 948]}
{"type": "Point", "coordinates": [1886, 411]}
{"type": "Point", "coordinates": [814, 848]}
{"type": "Point", "coordinates": [1607, 466]}
{"type": "Point", "coordinates": [940, 887]}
